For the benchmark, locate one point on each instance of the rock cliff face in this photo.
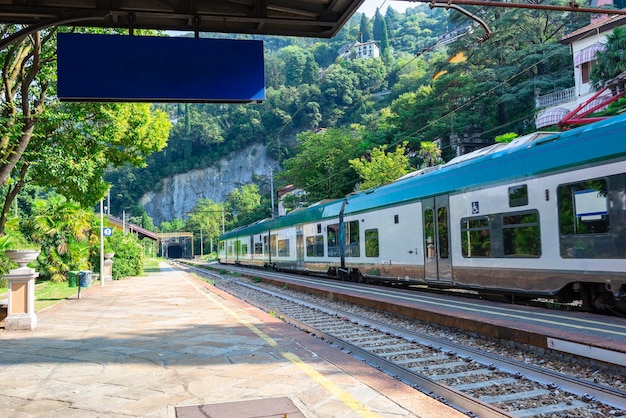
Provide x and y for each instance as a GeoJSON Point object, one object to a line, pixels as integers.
{"type": "Point", "coordinates": [177, 195]}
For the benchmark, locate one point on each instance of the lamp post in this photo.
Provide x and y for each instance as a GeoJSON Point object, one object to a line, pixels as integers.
{"type": "Point", "coordinates": [102, 242]}
{"type": "Point", "coordinates": [201, 244]}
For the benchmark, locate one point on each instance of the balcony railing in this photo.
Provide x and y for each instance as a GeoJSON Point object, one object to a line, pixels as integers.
{"type": "Point", "coordinates": [555, 98]}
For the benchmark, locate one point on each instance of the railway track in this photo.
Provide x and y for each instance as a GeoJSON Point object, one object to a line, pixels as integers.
{"type": "Point", "coordinates": [476, 382]}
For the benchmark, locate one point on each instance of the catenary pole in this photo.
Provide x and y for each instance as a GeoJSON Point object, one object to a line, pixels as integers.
{"type": "Point", "coordinates": [102, 242]}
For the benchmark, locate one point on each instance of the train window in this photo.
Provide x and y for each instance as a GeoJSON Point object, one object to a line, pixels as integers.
{"type": "Point", "coordinates": [518, 196]}
{"type": "Point", "coordinates": [396, 219]}
{"type": "Point", "coordinates": [353, 247]}
{"type": "Point", "coordinates": [315, 246]}
{"type": "Point", "coordinates": [230, 249]}
{"type": "Point", "coordinates": [244, 249]}
{"type": "Point", "coordinates": [332, 235]}
{"type": "Point", "coordinates": [520, 234]}
{"type": "Point", "coordinates": [442, 231]}
{"type": "Point", "coordinates": [475, 237]}
{"type": "Point", "coordinates": [371, 243]}
{"type": "Point", "coordinates": [273, 245]}
{"type": "Point", "coordinates": [283, 247]}
{"type": "Point", "coordinates": [429, 232]}
{"type": "Point", "coordinates": [258, 248]}
{"type": "Point", "coordinates": [583, 207]}
{"type": "Point", "coordinates": [319, 228]}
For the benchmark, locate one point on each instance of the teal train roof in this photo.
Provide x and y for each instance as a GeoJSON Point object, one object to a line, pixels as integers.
{"type": "Point", "coordinates": [526, 157]}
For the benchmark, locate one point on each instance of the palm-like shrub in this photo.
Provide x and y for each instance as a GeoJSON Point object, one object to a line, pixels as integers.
{"type": "Point", "coordinates": [61, 228]}
{"type": "Point", "coordinates": [611, 61]}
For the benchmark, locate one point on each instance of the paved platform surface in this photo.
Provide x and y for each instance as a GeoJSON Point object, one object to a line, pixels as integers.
{"type": "Point", "coordinates": [169, 345]}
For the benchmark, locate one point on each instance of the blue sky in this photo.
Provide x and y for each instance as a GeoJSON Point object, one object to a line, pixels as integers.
{"type": "Point", "coordinates": [369, 6]}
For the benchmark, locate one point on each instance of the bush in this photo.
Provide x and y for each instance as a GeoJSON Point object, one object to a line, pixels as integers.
{"type": "Point", "coordinates": [128, 259]}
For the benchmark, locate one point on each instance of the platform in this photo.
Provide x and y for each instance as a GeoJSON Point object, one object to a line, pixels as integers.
{"type": "Point", "coordinates": [170, 345]}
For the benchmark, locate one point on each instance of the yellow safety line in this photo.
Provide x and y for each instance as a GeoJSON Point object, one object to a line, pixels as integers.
{"type": "Point", "coordinates": [341, 394]}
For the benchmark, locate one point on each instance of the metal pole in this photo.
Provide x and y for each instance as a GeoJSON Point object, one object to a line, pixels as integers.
{"type": "Point", "coordinates": [101, 243]}
{"type": "Point", "coordinates": [573, 7]}
{"type": "Point", "coordinates": [201, 244]}
{"type": "Point", "coordinates": [272, 189]}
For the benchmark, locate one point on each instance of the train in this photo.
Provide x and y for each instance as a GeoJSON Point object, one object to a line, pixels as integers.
{"type": "Point", "coordinates": [543, 216]}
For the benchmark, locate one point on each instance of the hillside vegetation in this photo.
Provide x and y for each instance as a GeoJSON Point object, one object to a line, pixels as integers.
{"type": "Point", "coordinates": [481, 89]}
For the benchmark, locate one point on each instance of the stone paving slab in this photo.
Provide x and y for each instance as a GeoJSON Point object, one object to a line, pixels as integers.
{"type": "Point", "coordinates": [149, 346]}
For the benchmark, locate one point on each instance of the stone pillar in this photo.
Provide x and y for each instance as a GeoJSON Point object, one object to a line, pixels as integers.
{"type": "Point", "coordinates": [108, 266]}
{"type": "Point", "coordinates": [21, 307]}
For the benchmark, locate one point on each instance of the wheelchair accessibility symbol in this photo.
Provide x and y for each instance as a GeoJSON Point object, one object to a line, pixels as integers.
{"type": "Point", "coordinates": [107, 232]}
{"type": "Point", "coordinates": [475, 208]}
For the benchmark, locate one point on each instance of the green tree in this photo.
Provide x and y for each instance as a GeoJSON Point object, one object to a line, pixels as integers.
{"type": "Point", "coordinates": [379, 32]}
{"type": "Point", "coordinates": [365, 29]}
{"type": "Point", "coordinates": [26, 65]}
{"type": "Point", "coordinates": [175, 225]}
{"type": "Point", "coordinates": [370, 73]}
{"type": "Point", "coordinates": [206, 215]}
{"type": "Point", "coordinates": [65, 147]}
{"type": "Point", "coordinates": [62, 230]}
{"type": "Point", "coordinates": [430, 154]}
{"type": "Point", "coordinates": [300, 66]}
{"type": "Point", "coordinates": [340, 89]}
{"type": "Point", "coordinates": [274, 71]}
{"type": "Point", "coordinates": [321, 164]}
{"type": "Point", "coordinates": [380, 167]}
{"type": "Point", "coordinates": [611, 61]}
{"type": "Point", "coordinates": [243, 206]}
{"type": "Point", "coordinates": [74, 144]}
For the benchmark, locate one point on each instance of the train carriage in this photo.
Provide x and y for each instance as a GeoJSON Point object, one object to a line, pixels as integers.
{"type": "Point", "coordinates": [542, 216]}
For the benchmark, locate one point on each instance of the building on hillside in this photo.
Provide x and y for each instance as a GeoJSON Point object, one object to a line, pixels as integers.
{"type": "Point", "coordinates": [369, 49]}
{"type": "Point", "coordinates": [467, 142]}
{"type": "Point", "coordinates": [569, 105]}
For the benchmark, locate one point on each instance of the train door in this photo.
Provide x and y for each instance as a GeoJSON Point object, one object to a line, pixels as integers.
{"type": "Point", "coordinates": [299, 247]}
{"type": "Point", "coordinates": [437, 256]}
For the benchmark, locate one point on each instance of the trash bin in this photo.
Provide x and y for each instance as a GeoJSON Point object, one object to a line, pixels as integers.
{"type": "Point", "coordinates": [72, 278]}
{"type": "Point", "coordinates": [84, 278]}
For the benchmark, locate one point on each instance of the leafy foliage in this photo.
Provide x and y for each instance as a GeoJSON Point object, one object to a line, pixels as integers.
{"type": "Point", "coordinates": [321, 164]}
{"type": "Point", "coordinates": [611, 61]}
{"type": "Point", "coordinates": [61, 228]}
{"type": "Point", "coordinates": [492, 90]}
{"type": "Point", "coordinates": [128, 260]}
{"type": "Point", "coordinates": [379, 167]}
{"type": "Point", "coordinates": [64, 147]}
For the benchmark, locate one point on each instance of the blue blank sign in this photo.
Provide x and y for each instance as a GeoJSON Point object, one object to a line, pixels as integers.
{"type": "Point", "coordinates": [96, 68]}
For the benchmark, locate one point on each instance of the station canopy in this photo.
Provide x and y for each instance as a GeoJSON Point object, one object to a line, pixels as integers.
{"type": "Point", "coordinates": [306, 18]}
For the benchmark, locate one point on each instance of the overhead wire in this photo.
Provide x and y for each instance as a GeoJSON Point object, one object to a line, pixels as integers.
{"type": "Point", "coordinates": [338, 62]}
{"type": "Point", "coordinates": [324, 74]}
{"type": "Point", "coordinates": [417, 55]}
{"type": "Point", "coordinates": [455, 110]}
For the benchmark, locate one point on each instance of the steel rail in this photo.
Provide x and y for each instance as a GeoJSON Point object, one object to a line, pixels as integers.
{"type": "Point", "coordinates": [586, 389]}
{"type": "Point", "coordinates": [610, 396]}
{"type": "Point", "coordinates": [466, 404]}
